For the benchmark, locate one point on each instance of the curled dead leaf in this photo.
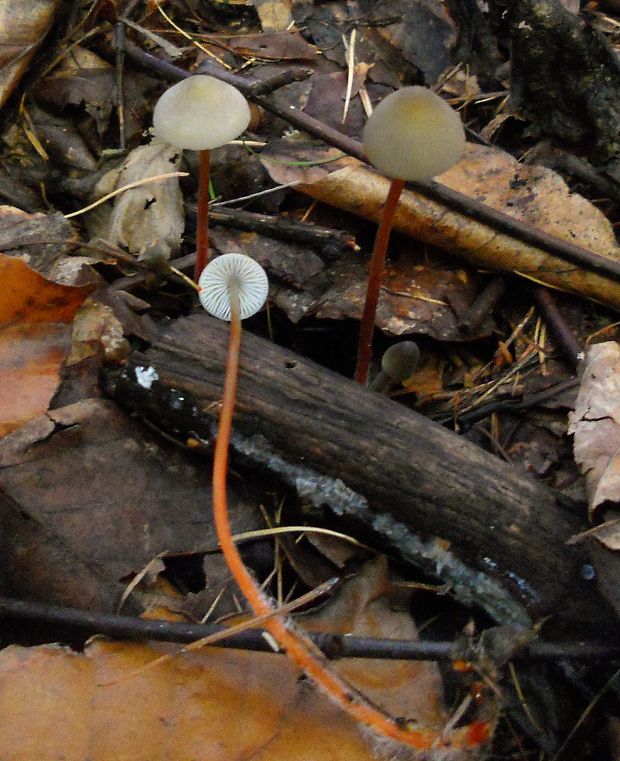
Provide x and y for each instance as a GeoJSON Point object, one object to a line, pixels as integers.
{"type": "Point", "coordinates": [23, 25]}
{"type": "Point", "coordinates": [595, 424]}
{"type": "Point", "coordinates": [147, 220]}
{"type": "Point", "coordinates": [532, 194]}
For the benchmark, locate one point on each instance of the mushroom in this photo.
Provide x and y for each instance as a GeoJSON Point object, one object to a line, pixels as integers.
{"type": "Point", "coordinates": [413, 134]}
{"type": "Point", "coordinates": [397, 364]}
{"type": "Point", "coordinates": [231, 287]}
{"type": "Point", "coordinates": [200, 113]}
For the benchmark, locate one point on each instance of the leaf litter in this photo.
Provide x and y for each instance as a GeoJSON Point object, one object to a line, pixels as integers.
{"type": "Point", "coordinates": [425, 295]}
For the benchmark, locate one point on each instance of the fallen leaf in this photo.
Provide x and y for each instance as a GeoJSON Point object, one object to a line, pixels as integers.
{"type": "Point", "coordinates": [35, 336]}
{"type": "Point", "coordinates": [81, 78]}
{"type": "Point", "coordinates": [96, 331]}
{"type": "Point", "coordinates": [533, 194]}
{"type": "Point", "coordinates": [274, 15]}
{"type": "Point", "coordinates": [148, 220]}
{"type": "Point", "coordinates": [216, 705]}
{"type": "Point", "coordinates": [403, 688]}
{"type": "Point", "coordinates": [415, 297]}
{"type": "Point", "coordinates": [39, 239]}
{"type": "Point", "coordinates": [275, 46]}
{"type": "Point", "coordinates": [23, 25]}
{"type": "Point", "coordinates": [104, 490]}
{"type": "Point", "coordinates": [595, 423]}
{"type": "Point", "coordinates": [61, 139]}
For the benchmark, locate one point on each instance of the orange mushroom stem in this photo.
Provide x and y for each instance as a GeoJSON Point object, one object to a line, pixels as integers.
{"type": "Point", "coordinates": [227, 288]}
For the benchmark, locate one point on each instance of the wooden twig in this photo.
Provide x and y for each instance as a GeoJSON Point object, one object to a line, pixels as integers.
{"type": "Point", "coordinates": [387, 472]}
{"type": "Point", "coordinates": [333, 645]}
{"type": "Point", "coordinates": [499, 221]}
{"type": "Point", "coordinates": [567, 342]}
{"type": "Point", "coordinates": [482, 307]}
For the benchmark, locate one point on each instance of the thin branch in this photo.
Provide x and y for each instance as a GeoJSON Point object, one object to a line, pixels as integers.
{"type": "Point", "coordinates": [452, 199]}
{"type": "Point", "coordinates": [333, 645]}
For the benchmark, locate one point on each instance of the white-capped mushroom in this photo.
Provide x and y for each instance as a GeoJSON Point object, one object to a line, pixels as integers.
{"type": "Point", "coordinates": [201, 113]}
{"type": "Point", "coordinates": [230, 279]}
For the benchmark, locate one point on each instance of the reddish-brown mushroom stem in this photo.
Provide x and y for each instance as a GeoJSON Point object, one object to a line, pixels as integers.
{"type": "Point", "coordinates": [202, 217]}
{"type": "Point", "coordinates": [377, 263]}
{"type": "Point", "coordinates": [412, 135]}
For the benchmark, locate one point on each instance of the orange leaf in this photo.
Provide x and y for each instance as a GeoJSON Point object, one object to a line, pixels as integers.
{"type": "Point", "coordinates": [216, 705]}
{"type": "Point", "coordinates": [35, 335]}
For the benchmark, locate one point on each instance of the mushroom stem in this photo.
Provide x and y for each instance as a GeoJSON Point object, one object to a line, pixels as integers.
{"type": "Point", "coordinates": [374, 280]}
{"type": "Point", "coordinates": [297, 645]}
{"type": "Point", "coordinates": [202, 219]}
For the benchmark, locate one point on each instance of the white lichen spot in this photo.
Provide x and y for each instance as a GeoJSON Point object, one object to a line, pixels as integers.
{"type": "Point", "coordinates": [146, 376]}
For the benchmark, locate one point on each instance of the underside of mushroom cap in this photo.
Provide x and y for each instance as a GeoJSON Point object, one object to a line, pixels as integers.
{"type": "Point", "coordinates": [233, 271]}
{"type": "Point", "coordinates": [200, 113]}
{"type": "Point", "coordinates": [413, 134]}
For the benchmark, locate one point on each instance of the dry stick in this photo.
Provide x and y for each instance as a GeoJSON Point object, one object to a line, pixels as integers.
{"type": "Point", "coordinates": [482, 307]}
{"type": "Point", "coordinates": [377, 263]}
{"type": "Point", "coordinates": [299, 647]}
{"type": "Point", "coordinates": [565, 250]}
{"type": "Point", "coordinates": [566, 339]}
{"type": "Point", "coordinates": [334, 645]}
{"type": "Point", "coordinates": [202, 220]}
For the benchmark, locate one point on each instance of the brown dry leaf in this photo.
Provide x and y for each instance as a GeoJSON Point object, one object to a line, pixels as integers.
{"type": "Point", "coordinates": [215, 705]}
{"type": "Point", "coordinates": [595, 423]}
{"type": "Point", "coordinates": [530, 193]}
{"type": "Point", "coordinates": [148, 220]}
{"type": "Point", "coordinates": [428, 379]}
{"type": "Point", "coordinates": [103, 489]}
{"type": "Point", "coordinates": [275, 46]}
{"type": "Point", "coordinates": [41, 240]}
{"type": "Point", "coordinates": [82, 77]}
{"type": "Point", "coordinates": [23, 25]}
{"type": "Point", "coordinates": [96, 331]}
{"type": "Point", "coordinates": [35, 336]}
{"type": "Point", "coordinates": [403, 688]}
{"type": "Point", "coordinates": [274, 15]}
{"type": "Point", "coordinates": [415, 297]}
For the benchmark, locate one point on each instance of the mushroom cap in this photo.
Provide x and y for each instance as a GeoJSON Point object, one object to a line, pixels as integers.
{"type": "Point", "coordinates": [200, 113]}
{"type": "Point", "coordinates": [400, 360]}
{"type": "Point", "coordinates": [413, 134]}
{"type": "Point", "coordinates": [226, 272]}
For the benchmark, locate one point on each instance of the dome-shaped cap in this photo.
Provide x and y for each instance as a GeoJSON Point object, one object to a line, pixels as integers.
{"type": "Point", "coordinates": [200, 113]}
{"type": "Point", "coordinates": [400, 360]}
{"type": "Point", "coordinates": [233, 271]}
{"type": "Point", "coordinates": [413, 134]}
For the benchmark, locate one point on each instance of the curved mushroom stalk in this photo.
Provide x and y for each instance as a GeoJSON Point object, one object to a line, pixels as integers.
{"type": "Point", "coordinates": [412, 135]}
{"type": "Point", "coordinates": [232, 287]}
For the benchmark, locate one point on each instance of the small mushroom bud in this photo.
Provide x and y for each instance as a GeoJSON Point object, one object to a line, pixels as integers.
{"type": "Point", "coordinates": [397, 364]}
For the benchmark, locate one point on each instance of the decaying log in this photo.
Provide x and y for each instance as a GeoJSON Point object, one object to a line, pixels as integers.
{"type": "Point", "coordinates": [384, 471]}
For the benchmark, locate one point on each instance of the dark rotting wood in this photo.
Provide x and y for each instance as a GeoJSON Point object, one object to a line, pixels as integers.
{"type": "Point", "coordinates": [387, 472]}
